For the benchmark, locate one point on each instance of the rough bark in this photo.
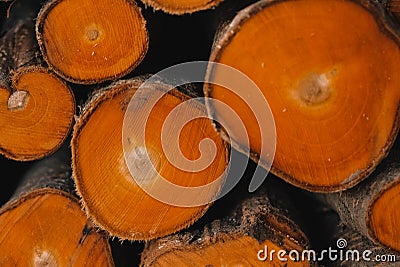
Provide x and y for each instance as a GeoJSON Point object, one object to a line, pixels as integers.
{"type": "Point", "coordinates": [180, 7]}
{"type": "Point", "coordinates": [39, 104]}
{"type": "Point", "coordinates": [49, 184]}
{"type": "Point", "coordinates": [374, 255]}
{"type": "Point", "coordinates": [50, 173]}
{"type": "Point", "coordinates": [18, 46]}
{"type": "Point", "coordinates": [393, 6]}
{"type": "Point", "coordinates": [256, 217]}
{"type": "Point", "coordinates": [355, 206]}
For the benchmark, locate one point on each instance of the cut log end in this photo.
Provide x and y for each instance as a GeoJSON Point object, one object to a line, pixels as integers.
{"type": "Point", "coordinates": [53, 229]}
{"type": "Point", "coordinates": [250, 236]}
{"type": "Point", "coordinates": [224, 252]}
{"type": "Point", "coordinates": [334, 123]}
{"type": "Point", "coordinates": [385, 217]}
{"type": "Point", "coordinates": [31, 114]}
{"type": "Point", "coordinates": [84, 43]}
{"type": "Point", "coordinates": [182, 6]}
{"type": "Point", "coordinates": [43, 223]}
{"type": "Point", "coordinates": [108, 164]}
{"type": "Point", "coordinates": [371, 206]}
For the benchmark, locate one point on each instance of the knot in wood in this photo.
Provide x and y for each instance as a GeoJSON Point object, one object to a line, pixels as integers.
{"type": "Point", "coordinates": [18, 100]}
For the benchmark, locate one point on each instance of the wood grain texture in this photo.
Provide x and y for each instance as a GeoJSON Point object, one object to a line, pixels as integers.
{"type": "Point", "coordinates": [36, 107]}
{"type": "Point", "coordinates": [371, 206]}
{"type": "Point", "coordinates": [110, 194]}
{"type": "Point", "coordinates": [91, 41]}
{"type": "Point", "coordinates": [181, 7]}
{"type": "Point", "coordinates": [332, 86]}
{"type": "Point", "coordinates": [376, 256]}
{"type": "Point", "coordinates": [43, 224]}
{"type": "Point", "coordinates": [233, 240]}
{"type": "Point", "coordinates": [394, 7]}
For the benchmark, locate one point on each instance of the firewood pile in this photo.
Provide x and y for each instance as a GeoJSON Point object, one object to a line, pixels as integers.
{"type": "Point", "coordinates": [200, 133]}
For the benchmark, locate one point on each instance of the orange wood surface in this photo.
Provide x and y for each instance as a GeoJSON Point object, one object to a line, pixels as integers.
{"type": "Point", "coordinates": [385, 218]}
{"type": "Point", "coordinates": [110, 194]}
{"type": "Point", "coordinates": [44, 120]}
{"type": "Point", "coordinates": [182, 6]}
{"type": "Point", "coordinates": [87, 41]}
{"type": "Point", "coordinates": [329, 72]}
{"type": "Point", "coordinates": [46, 229]}
{"type": "Point", "coordinates": [231, 252]}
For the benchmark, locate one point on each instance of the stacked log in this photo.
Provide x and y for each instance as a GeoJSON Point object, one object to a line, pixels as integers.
{"type": "Point", "coordinates": [260, 230]}
{"type": "Point", "coordinates": [371, 206]}
{"type": "Point", "coordinates": [110, 169]}
{"type": "Point", "coordinates": [36, 106]}
{"type": "Point", "coordinates": [150, 159]}
{"type": "Point", "coordinates": [44, 225]}
{"type": "Point", "coordinates": [334, 103]}
{"type": "Point", "coordinates": [92, 41]}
